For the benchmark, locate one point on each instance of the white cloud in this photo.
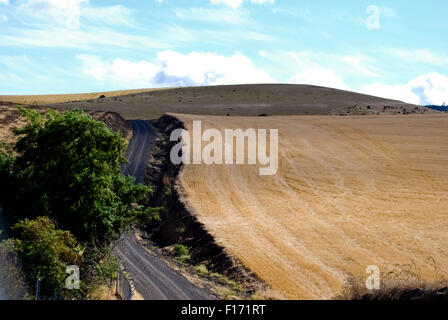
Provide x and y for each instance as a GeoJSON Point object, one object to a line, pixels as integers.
{"type": "Point", "coordinates": [431, 88]}
{"type": "Point", "coordinates": [94, 66]}
{"type": "Point", "coordinates": [3, 18]}
{"type": "Point", "coordinates": [396, 92]}
{"type": "Point", "coordinates": [356, 63]}
{"type": "Point", "coordinates": [174, 68]}
{"type": "Point", "coordinates": [388, 12]}
{"type": "Point", "coordinates": [65, 12]}
{"type": "Point", "coordinates": [70, 13]}
{"type": "Point", "coordinates": [213, 15]}
{"type": "Point", "coordinates": [231, 3]}
{"type": "Point", "coordinates": [4, 2]}
{"type": "Point", "coordinates": [129, 70]}
{"type": "Point", "coordinates": [113, 15]}
{"type": "Point", "coordinates": [210, 68]}
{"type": "Point", "coordinates": [319, 77]}
{"type": "Point", "coordinates": [220, 37]}
{"type": "Point", "coordinates": [319, 68]}
{"type": "Point", "coordinates": [91, 38]}
{"type": "Point", "coordinates": [262, 1]}
{"type": "Point", "coordinates": [312, 60]}
{"type": "Point", "coordinates": [237, 3]}
{"type": "Point", "coordinates": [419, 55]}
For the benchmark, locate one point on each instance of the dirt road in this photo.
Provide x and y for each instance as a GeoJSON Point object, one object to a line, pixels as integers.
{"type": "Point", "coordinates": [139, 150]}
{"type": "Point", "coordinates": [153, 278]}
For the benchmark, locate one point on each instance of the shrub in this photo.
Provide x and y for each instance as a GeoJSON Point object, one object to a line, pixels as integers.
{"type": "Point", "coordinates": [44, 252]}
{"type": "Point", "coordinates": [201, 270]}
{"type": "Point", "coordinates": [167, 191]}
{"type": "Point", "coordinates": [180, 250]}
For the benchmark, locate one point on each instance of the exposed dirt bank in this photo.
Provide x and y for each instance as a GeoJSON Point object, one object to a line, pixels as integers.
{"type": "Point", "coordinates": [179, 223]}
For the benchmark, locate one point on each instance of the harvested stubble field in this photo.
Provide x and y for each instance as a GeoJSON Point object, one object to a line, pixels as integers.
{"type": "Point", "coordinates": [350, 192]}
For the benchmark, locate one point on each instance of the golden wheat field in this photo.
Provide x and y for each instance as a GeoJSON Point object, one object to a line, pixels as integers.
{"type": "Point", "coordinates": [350, 192]}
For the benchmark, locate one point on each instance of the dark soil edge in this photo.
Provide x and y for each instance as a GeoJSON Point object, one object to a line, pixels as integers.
{"type": "Point", "coordinates": [179, 222]}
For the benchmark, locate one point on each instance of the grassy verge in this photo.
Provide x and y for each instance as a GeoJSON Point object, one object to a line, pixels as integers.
{"type": "Point", "coordinates": [224, 287]}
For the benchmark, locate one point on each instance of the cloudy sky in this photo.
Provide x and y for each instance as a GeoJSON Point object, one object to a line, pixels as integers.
{"type": "Point", "coordinates": [394, 48]}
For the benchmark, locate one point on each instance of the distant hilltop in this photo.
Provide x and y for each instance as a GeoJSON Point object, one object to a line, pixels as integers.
{"type": "Point", "coordinates": [240, 100]}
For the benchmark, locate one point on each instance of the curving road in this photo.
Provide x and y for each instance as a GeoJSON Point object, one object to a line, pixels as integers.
{"type": "Point", "coordinates": [153, 278]}
{"type": "Point", "coordinates": [139, 149]}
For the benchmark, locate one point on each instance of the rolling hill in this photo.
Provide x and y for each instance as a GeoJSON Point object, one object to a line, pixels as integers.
{"type": "Point", "coordinates": [244, 100]}
{"type": "Point", "coordinates": [369, 188]}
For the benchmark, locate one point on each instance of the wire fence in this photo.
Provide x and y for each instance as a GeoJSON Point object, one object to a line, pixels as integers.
{"type": "Point", "coordinates": [125, 287]}
{"type": "Point", "coordinates": [19, 289]}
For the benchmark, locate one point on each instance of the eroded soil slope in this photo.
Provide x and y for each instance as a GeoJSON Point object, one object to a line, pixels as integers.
{"type": "Point", "coordinates": [350, 192]}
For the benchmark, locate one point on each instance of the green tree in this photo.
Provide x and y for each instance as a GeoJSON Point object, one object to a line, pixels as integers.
{"type": "Point", "coordinates": [44, 252]}
{"type": "Point", "coordinates": [68, 168]}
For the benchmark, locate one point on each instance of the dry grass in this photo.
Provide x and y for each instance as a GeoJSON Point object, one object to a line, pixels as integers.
{"type": "Point", "coordinates": [350, 192]}
{"type": "Point", "coordinates": [60, 98]}
{"type": "Point", "coordinates": [103, 292]}
{"type": "Point", "coordinates": [9, 120]}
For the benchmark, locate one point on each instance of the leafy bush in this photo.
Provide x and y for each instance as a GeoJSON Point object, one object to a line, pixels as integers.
{"type": "Point", "coordinates": [68, 169]}
{"type": "Point", "coordinates": [201, 269]}
{"type": "Point", "coordinates": [168, 191]}
{"type": "Point", "coordinates": [180, 250]}
{"type": "Point", "coordinates": [45, 252]}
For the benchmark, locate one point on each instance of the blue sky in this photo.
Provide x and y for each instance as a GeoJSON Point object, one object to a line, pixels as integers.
{"type": "Point", "coordinates": [391, 48]}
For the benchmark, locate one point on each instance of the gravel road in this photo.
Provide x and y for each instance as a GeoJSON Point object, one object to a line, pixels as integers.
{"type": "Point", "coordinates": [153, 278]}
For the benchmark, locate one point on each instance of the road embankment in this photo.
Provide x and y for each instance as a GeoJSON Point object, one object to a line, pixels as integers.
{"type": "Point", "coordinates": [179, 223]}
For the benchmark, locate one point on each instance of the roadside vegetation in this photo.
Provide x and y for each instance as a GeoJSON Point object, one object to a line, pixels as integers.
{"type": "Point", "coordinates": [182, 253]}
{"type": "Point", "coordinates": [66, 200]}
